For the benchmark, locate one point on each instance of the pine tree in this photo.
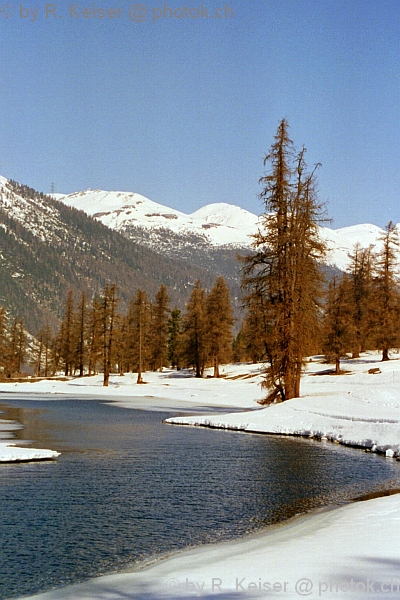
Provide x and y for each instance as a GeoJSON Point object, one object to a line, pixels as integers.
{"type": "Point", "coordinates": [159, 329]}
{"type": "Point", "coordinates": [17, 347]}
{"type": "Point", "coordinates": [283, 268]}
{"type": "Point", "coordinates": [130, 338]}
{"type": "Point", "coordinates": [120, 342]}
{"type": "Point", "coordinates": [194, 340]}
{"type": "Point", "coordinates": [174, 338]}
{"type": "Point", "coordinates": [37, 353]}
{"type": "Point", "coordinates": [239, 349]}
{"type": "Point", "coordinates": [219, 323]}
{"type": "Point", "coordinates": [80, 334]}
{"type": "Point", "coordinates": [256, 329]}
{"type": "Point", "coordinates": [338, 329]}
{"type": "Point", "coordinates": [141, 325]}
{"type": "Point", "coordinates": [65, 338]}
{"type": "Point", "coordinates": [360, 274]}
{"type": "Point", "coordinates": [109, 308]}
{"type": "Point", "coordinates": [3, 339]}
{"type": "Point", "coordinates": [42, 351]}
{"type": "Point", "coordinates": [94, 336]}
{"type": "Point", "coordinates": [47, 341]}
{"type": "Point", "coordinates": [387, 292]}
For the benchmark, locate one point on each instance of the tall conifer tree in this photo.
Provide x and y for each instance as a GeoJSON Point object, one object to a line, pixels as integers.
{"type": "Point", "coordinates": [361, 297]}
{"type": "Point", "coordinates": [174, 338]}
{"type": "Point", "coordinates": [194, 342]}
{"type": "Point", "coordinates": [109, 306]}
{"type": "Point", "coordinates": [219, 316]}
{"type": "Point", "coordinates": [283, 268]}
{"type": "Point", "coordinates": [141, 324]}
{"type": "Point", "coordinates": [387, 291]}
{"type": "Point", "coordinates": [3, 339]}
{"type": "Point", "coordinates": [17, 347]}
{"type": "Point", "coordinates": [66, 339]}
{"type": "Point", "coordinates": [95, 343]}
{"type": "Point", "coordinates": [81, 334]}
{"type": "Point", "coordinates": [159, 329]}
{"type": "Point", "coordinates": [338, 327]}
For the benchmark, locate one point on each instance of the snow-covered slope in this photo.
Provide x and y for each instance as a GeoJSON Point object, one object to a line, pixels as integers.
{"type": "Point", "coordinates": [340, 242]}
{"type": "Point", "coordinates": [227, 215]}
{"type": "Point", "coordinates": [172, 232]}
{"type": "Point", "coordinates": [217, 224]}
{"type": "Point", "coordinates": [214, 225]}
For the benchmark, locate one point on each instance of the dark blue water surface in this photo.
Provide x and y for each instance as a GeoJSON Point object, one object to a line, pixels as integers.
{"type": "Point", "coordinates": [128, 487]}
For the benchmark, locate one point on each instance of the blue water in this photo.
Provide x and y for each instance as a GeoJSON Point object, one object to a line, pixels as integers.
{"type": "Point", "coordinates": [128, 487]}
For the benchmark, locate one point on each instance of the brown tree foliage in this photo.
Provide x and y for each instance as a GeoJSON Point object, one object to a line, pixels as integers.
{"type": "Point", "coordinates": [219, 323]}
{"type": "Point", "coordinates": [284, 270]}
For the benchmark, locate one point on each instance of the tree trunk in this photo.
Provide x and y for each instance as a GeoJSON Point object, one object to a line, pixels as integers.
{"type": "Point", "coordinates": [216, 367]}
{"type": "Point", "coordinates": [297, 381]}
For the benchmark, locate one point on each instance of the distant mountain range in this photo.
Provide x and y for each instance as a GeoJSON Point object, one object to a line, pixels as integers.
{"type": "Point", "coordinates": [213, 227]}
{"type": "Point", "coordinates": [81, 241]}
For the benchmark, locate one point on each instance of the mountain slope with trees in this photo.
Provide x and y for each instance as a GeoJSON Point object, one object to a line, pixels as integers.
{"type": "Point", "coordinates": [48, 248]}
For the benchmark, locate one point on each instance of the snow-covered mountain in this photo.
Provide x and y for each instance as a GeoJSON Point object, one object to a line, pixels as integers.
{"type": "Point", "coordinates": [47, 248]}
{"type": "Point", "coordinates": [218, 224]}
{"type": "Point", "coordinates": [214, 226]}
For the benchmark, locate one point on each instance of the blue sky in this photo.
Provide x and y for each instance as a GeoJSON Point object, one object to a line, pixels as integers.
{"type": "Point", "coordinates": [182, 109]}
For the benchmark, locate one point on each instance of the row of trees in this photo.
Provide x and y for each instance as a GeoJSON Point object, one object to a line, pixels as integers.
{"type": "Point", "coordinates": [149, 336]}
{"type": "Point", "coordinates": [363, 306]}
{"type": "Point", "coordinates": [13, 344]}
{"type": "Point", "coordinates": [95, 337]}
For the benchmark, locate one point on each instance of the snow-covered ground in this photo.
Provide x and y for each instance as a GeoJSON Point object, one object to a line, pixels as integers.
{"type": "Point", "coordinates": [355, 409]}
{"type": "Point", "coordinates": [9, 452]}
{"type": "Point", "coordinates": [350, 552]}
{"type": "Point", "coordinates": [239, 389]}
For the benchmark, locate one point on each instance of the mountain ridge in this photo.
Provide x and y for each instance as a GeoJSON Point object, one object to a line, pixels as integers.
{"type": "Point", "coordinates": [220, 225]}
{"type": "Point", "coordinates": [82, 241]}
{"type": "Point", "coordinates": [47, 248]}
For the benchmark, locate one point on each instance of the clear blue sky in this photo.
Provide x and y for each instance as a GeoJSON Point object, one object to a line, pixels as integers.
{"type": "Point", "coordinates": [183, 109]}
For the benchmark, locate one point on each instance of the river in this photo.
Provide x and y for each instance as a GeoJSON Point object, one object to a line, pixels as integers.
{"type": "Point", "coordinates": [128, 488]}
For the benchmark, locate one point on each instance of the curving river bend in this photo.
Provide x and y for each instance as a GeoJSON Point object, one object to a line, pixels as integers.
{"type": "Point", "coordinates": [127, 488]}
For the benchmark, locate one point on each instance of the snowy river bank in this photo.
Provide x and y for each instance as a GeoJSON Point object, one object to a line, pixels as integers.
{"type": "Point", "coordinates": [352, 551]}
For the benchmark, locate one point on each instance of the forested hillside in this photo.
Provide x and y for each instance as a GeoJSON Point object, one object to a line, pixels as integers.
{"type": "Point", "coordinates": [48, 248]}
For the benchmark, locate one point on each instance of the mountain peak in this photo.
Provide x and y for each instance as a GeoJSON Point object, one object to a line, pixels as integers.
{"type": "Point", "coordinates": [215, 225]}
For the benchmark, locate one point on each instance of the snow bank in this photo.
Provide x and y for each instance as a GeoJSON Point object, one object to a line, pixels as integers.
{"type": "Point", "coordinates": [170, 390]}
{"type": "Point", "coordinates": [355, 409]}
{"type": "Point", "coordinates": [10, 453]}
{"type": "Point", "coordinates": [351, 552]}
